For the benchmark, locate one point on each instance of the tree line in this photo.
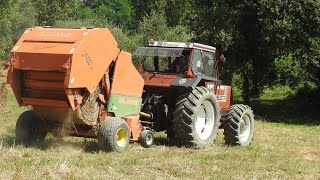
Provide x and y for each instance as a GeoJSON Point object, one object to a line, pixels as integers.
{"type": "Point", "coordinates": [267, 43]}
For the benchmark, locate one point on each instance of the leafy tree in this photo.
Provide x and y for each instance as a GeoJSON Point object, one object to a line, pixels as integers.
{"type": "Point", "coordinates": [155, 27]}
{"type": "Point", "coordinates": [254, 34]}
{"type": "Point", "coordinates": [118, 12]}
{"type": "Point", "coordinates": [16, 16]}
{"type": "Point", "coordinates": [180, 12]}
{"type": "Point", "coordinates": [23, 17]}
{"type": "Point", "coordinates": [287, 70]}
{"type": "Point", "coordinates": [267, 43]}
{"type": "Point", "coordinates": [5, 28]}
{"type": "Point", "coordinates": [144, 8]}
{"type": "Point", "coordinates": [49, 11]}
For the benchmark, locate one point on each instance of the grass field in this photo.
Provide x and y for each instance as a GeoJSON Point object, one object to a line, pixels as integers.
{"type": "Point", "coordinates": [283, 148]}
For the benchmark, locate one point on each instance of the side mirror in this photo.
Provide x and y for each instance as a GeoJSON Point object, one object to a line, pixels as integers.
{"type": "Point", "coordinates": [222, 58]}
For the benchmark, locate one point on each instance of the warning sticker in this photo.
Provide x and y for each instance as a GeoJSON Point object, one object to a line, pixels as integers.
{"type": "Point", "coordinates": [223, 97]}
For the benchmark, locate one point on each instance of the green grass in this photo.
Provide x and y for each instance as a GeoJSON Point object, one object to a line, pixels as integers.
{"type": "Point", "coordinates": [280, 150]}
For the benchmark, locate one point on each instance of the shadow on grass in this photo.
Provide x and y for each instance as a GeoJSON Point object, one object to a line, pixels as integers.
{"type": "Point", "coordinates": [162, 141]}
{"type": "Point", "coordinates": [87, 145]}
{"type": "Point", "coordinates": [8, 140]}
{"type": "Point", "coordinates": [294, 110]}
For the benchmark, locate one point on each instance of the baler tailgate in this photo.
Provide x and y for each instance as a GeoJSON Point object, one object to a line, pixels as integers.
{"type": "Point", "coordinates": [44, 102]}
{"type": "Point", "coordinates": [43, 88]}
{"type": "Point", "coordinates": [41, 94]}
{"type": "Point", "coordinates": [34, 84]}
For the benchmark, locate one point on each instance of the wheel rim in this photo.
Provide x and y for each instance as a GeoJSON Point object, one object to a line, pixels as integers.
{"type": "Point", "coordinates": [149, 139]}
{"type": "Point", "coordinates": [121, 137]}
{"type": "Point", "coordinates": [204, 121]}
{"type": "Point", "coordinates": [245, 127]}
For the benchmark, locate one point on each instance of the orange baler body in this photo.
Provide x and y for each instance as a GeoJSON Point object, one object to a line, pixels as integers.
{"type": "Point", "coordinates": [53, 67]}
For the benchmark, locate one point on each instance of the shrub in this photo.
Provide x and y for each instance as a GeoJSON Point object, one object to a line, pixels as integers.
{"type": "Point", "coordinates": [155, 27]}
{"type": "Point", "coordinates": [237, 86]}
{"type": "Point", "coordinates": [276, 92]}
{"type": "Point", "coordinates": [309, 92]}
{"type": "Point", "coordinates": [287, 70]}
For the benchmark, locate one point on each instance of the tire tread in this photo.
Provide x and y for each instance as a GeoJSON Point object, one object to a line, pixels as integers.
{"type": "Point", "coordinates": [186, 107]}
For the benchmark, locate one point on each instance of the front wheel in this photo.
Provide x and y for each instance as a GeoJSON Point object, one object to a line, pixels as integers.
{"type": "Point", "coordinates": [239, 125]}
{"type": "Point", "coordinates": [147, 138]}
{"type": "Point", "coordinates": [114, 135]}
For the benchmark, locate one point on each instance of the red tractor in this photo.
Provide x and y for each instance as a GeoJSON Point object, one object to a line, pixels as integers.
{"type": "Point", "coordinates": [184, 96]}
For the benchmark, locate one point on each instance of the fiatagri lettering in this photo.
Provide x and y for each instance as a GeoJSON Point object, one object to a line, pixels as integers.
{"type": "Point", "coordinates": [128, 101]}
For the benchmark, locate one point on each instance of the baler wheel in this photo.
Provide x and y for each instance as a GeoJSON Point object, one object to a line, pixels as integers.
{"type": "Point", "coordinates": [25, 128]}
{"type": "Point", "coordinates": [196, 118]}
{"type": "Point", "coordinates": [239, 126]}
{"type": "Point", "coordinates": [146, 138]}
{"type": "Point", "coordinates": [114, 135]}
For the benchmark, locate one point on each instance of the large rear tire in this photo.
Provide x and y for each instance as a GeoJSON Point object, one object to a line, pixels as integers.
{"type": "Point", "coordinates": [114, 135]}
{"type": "Point", "coordinates": [239, 125]}
{"type": "Point", "coordinates": [26, 131]}
{"type": "Point", "coordinates": [196, 118]}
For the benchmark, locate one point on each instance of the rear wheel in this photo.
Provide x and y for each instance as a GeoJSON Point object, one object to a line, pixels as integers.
{"type": "Point", "coordinates": [239, 126]}
{"type": "Point", "coordinates": [27, 128]}
{"type": "Point", "coordinates": [114, 135]}
{"type": "Point", "coordinates": [196, 118]}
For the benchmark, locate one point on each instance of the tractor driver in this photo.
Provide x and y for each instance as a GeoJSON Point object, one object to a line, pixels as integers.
{"type": "Point", "coordinates": [179, 65]}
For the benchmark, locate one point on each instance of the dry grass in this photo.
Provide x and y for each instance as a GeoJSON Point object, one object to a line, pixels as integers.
{"type": "Point", "coordinates": [3, 91]}
{"type": "Point", "coordinates": [279, 151]}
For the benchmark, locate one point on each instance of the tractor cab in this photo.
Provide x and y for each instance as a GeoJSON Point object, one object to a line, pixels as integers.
{"type": "Point", "coordinates": [187, 59]}
{"type": "Point", "coordinates": [177, 66]}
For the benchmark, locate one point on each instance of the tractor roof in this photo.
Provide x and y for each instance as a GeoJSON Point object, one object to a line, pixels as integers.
{"type": "Point", "coordinates": [181, 45]}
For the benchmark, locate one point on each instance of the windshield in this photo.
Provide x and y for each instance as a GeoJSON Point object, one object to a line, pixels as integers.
{"type": "Point", "coordinates": [170, 60]}
{"type": "Point", "coordinates": [161, 52]}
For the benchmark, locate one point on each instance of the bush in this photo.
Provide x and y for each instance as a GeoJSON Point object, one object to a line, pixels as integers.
{"type": "Point", "coordinates": [287, 70]}
{"type": "Point", "coordinates": [237, 86]}
{"type": "Point", "coordinates": [309, 92]}
{"type": "Point", "coordinates": [155, 27]}
{"type": "Point", "coordinates": [16, 16]}
{"type": "Point", "coordinates": [277, 92]}
{"type": "Point", "coordinates": [305, 88]}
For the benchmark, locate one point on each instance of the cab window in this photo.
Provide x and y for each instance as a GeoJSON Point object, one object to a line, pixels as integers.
{"type": "Point", "coordinates": [171, 63]}
{"type": "Point", "coordinates": [203, 63]}
{"type": "Point", "coordinates": [208, 64]}
{"type": "Point", "coordinates": [158, 64]}
{"type": "Point", "coordinates": [197, 66]}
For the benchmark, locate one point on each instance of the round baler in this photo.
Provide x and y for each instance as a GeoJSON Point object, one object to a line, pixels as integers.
{"type": "Point", "coordinates": [78, 82]}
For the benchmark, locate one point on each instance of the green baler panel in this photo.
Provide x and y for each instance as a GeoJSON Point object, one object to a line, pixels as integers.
{"type": "Point", "coordinates": [122, 105]}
